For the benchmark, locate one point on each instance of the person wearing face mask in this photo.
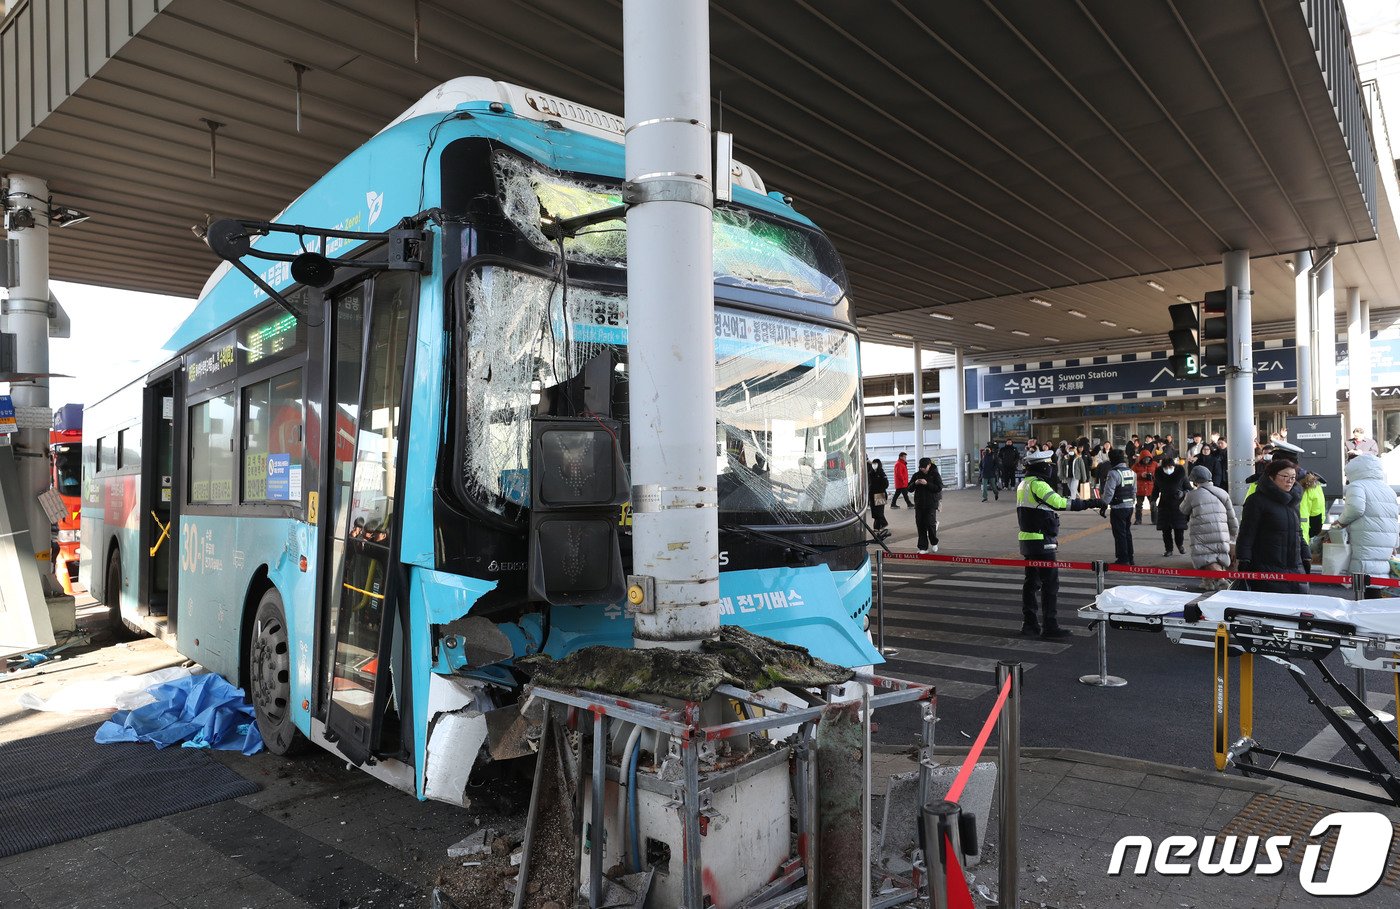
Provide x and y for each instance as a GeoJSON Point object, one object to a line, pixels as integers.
{"type": "Point", "coordinates": [1271, 536]}
{"type": "Point", "coordinates": [1169, 485]}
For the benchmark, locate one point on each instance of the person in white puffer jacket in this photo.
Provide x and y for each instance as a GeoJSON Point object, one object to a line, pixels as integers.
{"type": "Point", "coordinates": [1370, 516]}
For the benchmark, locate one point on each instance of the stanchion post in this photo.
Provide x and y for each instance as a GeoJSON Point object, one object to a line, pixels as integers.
{"type": "Point", "coordinates": [1008, 805]}
{"type": "Point", "coordinates": [1358, 593]}
{"type": "Point", "coordinates": [1102, 679]}
{"type": "Point", "coordinates": [940, 827]}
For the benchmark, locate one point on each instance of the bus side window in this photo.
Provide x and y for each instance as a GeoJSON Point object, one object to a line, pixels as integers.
{"type": "Point", "coordinates": [106, 453]}
{"type": "Point", "coordinates": [129, 447]}
{"type": "Point", "coordinates": [212, 425]}
{"type": "Point", "coordinates": [272, 434]}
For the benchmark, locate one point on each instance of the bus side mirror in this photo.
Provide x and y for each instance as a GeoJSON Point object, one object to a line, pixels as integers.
{"type": "Point", "coordinates": [313, 270]}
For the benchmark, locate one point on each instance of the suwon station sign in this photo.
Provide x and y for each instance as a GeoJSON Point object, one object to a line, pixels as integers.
{"type": "Point", "coordinates": [1115, 377]}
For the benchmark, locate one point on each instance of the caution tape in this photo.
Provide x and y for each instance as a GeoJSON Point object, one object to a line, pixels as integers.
{"type": "Point", "coordinates": [979, 560]}
{"type": "Point", "coordinates": [1343, 580]}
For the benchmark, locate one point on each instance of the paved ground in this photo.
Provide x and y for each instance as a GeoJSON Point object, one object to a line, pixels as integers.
{"type": "Point", "coordinates": [320, 834]}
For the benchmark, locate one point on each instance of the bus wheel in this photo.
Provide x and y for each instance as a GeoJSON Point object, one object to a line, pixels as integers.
{"type": "Point", "coordinates": [270, 678]}
{"type": "Point", "coordinates": [122, 630]}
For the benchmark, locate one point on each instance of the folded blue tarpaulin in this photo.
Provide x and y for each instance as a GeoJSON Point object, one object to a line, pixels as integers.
{"type": "Point", "coordinates": [200, 711]}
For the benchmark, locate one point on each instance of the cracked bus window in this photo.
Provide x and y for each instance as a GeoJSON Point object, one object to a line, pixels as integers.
{"type": "Point", "coordinates": [750, 251]}
{"type": "Point", "coordinates": [788, 428]}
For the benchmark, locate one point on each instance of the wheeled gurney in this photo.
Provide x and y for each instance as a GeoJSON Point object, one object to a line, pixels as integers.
{"type": "Point", "coordinates": [1283, 628]}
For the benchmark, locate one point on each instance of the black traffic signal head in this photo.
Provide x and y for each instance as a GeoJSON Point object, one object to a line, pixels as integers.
{"type": "Point", "coordinates": [1185, 338]}
{"type": "Point", "coordinates": [1217, 327]}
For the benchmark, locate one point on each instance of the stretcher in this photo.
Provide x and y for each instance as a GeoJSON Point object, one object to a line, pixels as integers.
{"type": "Point", "coordinates": [1286, 629]}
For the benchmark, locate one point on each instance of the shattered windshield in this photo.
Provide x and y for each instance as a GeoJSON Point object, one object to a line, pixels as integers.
{"type": "Point", "coordinates": [788, 427]}
{"type": "Point", "coordinates": [750, 250]}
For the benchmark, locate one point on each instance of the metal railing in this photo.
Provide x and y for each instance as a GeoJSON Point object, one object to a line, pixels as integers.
{"type": "Point", "coordinates": [1328, 24]}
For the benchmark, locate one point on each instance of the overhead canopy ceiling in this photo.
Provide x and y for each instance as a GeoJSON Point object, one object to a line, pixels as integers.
{"type": "Point", "coordinates": [960, 154]}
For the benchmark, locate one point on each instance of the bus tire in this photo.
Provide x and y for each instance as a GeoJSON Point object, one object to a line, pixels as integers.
{"type": "Point", "coordinates": [122, 630]}
{"type": "Point", "coordinates": [270, 678]}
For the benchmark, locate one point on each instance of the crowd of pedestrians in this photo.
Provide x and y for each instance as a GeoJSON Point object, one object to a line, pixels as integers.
{"type": "Point", "coordinates": [1184, 492]}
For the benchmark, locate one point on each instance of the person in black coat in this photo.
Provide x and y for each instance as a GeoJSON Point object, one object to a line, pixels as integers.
{"type": "Point", "coordinates": [927, 484]}
{"type": "Point", "coordinates": [1271, 534]}
{"type": "Point", "coordinates": [1008, 457]}
{"type": "Point", "coordinates": [1169, 487]}
{"type": "Point", "coordinates": [879, 485]}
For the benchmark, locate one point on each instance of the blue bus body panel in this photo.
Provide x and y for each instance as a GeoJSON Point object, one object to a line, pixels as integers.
{"type": "Point", "coordinates": [218, 557]}
{"type": "Point", "coordinates": [802, 606]}
{"type": "Point", "coordinates": [380, 183]}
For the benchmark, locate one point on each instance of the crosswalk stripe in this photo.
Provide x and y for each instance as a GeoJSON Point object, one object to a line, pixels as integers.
{"type": "Point", "coordinates": [951, 660]}
{"type": "Point", "coordinates": [1033, 645]}
{"type": "Point", "coordinates": [978, 621]}
{"type": "Point", "coordinates": [947, 688]}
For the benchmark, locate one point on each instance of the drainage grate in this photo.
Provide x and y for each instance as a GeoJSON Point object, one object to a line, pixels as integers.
{"type": "Point", "coordinates": [1269, 815]}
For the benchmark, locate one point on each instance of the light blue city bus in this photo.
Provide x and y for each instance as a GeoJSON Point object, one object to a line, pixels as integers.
{"type": "Point", "coordinates": [336, 491]}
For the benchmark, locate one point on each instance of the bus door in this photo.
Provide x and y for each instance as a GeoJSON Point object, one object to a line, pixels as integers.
{"type": "Point", "coordinates": [158, 498]}
{"type": "Point", "coordinates": [365, 633]}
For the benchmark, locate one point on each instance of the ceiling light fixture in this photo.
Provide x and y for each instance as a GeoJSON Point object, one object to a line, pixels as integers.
{"type": "Point", "coordinates": [1017, 331]}
{"type": "Point", "coordinates": [1135, 331]}
{"type": "Point", "coordinates": [985, 325]}
{"type": "Point", "coordinates": [1182, 299]}
{"type": "Point", "coordinates": [975, 347]}
{"type": "Point", "coordinates": [1077, 314]}
{"type": "Point", "coordinates": [895, 334]}
{"type": "Point", "coordinates": [1108, 323]}
{"type": "Point", "coordinates": [1157, 287]}
{"type": "Point", "coordinates": [1288, 264]}
{"type": "Point", "coordinates": [1052, 340]}
{"type": "Point", "coordinates": [1039, 302]}
{"type": "Point", "coordinates": [940, 315]}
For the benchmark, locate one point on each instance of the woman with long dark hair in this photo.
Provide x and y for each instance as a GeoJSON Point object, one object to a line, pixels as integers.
{"type": "Point", "coordinates": [879, 486]}
{"type": "Point", "coordinates": [1271, 536]}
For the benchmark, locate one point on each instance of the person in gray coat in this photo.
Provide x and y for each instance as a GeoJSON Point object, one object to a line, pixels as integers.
{"type": "Point", "coordinates": [1211, 523]}
{"type": "Point", "coordinates": [1370, 516]}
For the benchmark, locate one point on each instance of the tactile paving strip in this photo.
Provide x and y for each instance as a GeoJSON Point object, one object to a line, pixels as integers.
{"type": "Point", "coordinates": [1269, 815]}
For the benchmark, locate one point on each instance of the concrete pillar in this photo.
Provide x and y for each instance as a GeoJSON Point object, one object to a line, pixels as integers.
{"type": "Point", "coordinates": [918, 404]}
{"type": "Point", "coordinates": [1303, 330]}
{"type": "Point", "coordinates": [951, 423]}
{"type": "Point", "coordinates": [1239, 383]}
{"type": "Point", "coordinates": [27, 317]}
{"type": "Point", "coordinates": [670, 280]}
{"type": "Point", "coordinates": [1358, 362]}
{"type": "Point", "coordinates": [956, 414]}
{"type": "Point", "coordinates": [1325, 337]}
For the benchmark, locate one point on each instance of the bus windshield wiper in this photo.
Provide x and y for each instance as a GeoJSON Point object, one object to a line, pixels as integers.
{"type": "Point", "coordinates": [756, 534]}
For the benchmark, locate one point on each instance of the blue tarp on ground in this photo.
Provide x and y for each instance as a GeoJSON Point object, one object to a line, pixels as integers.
{"type": "Point", "coordinates": [201, 711]}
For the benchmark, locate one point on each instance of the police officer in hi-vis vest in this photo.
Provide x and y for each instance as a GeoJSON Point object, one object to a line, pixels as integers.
{"type": "Point", "coordinates": [1036, 507]}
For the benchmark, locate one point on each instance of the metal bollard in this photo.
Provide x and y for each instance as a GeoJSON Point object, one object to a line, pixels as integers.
{"type": "Point", "coordinates": [880, 605]}
{"type": "Point", "coordinates": [939, 825]}
{"type": "Point", "coordinates": [1102, 679]}
{"type": "Point", "coordinates": [1008, 805]}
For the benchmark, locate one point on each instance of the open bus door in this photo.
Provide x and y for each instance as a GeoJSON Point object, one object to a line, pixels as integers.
{"type": "Point", "coordinates": [157, 505]}
{"type": "Point", "coordinates": [363, 639]}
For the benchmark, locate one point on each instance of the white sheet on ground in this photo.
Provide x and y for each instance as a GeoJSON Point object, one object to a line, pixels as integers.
{"type": "Point", "coordinates": [118, 692]}
{"type": "Point", "coordinates": [1134, 599]}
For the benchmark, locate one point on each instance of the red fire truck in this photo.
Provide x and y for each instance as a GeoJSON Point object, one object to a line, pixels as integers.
{"type": "Point", "coordinates": [66, 458]}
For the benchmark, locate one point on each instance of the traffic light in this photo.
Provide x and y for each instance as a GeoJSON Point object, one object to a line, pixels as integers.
{"type": "Point", "coordinates": [1203, 334]}
{"type": "Point", "coordinates": [1217, 327]}
{"type": "Point", "coordinates": [578, 484]}
{"type": "Point", "coordinates": [1185, 338]}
